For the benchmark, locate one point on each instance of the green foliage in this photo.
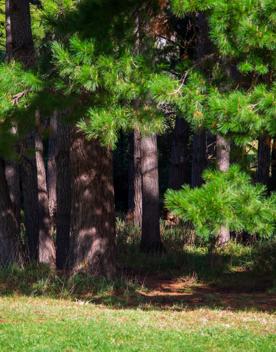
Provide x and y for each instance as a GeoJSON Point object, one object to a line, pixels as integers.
{"type": "Point", "coordinates": [240, 105]}
{"type": "Point", "coordinates": [18, 92]}
{"type": "Point", "coordinates": [182, 7]}
{"type": "Point", "coordinates": [241, 115]}
{"type": "Point", "coordinates": [227, 199]}
{"type": "Point", "coordinates": [119, 90]}
{"type": "Point", "coordinates": [244, 30]}
{"type": "Point", "coordinates": [264, 255]}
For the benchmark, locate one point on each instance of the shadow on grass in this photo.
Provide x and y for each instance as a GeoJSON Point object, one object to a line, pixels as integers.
{"type": "Point", "coordinates": [178, 280]}
{"type": "Point", "coordinates": [198, 298]}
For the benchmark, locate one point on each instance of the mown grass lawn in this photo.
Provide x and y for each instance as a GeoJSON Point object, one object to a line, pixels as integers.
{"type": "Point", "coordinates": [42, 324]}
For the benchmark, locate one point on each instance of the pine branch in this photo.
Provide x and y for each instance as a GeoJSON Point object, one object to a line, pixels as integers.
{"type": "Point", "coordinates": [16, 98]}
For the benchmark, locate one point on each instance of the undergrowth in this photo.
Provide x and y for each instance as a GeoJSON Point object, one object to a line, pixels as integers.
{"type": "Point", "coordinates": [238, 267]}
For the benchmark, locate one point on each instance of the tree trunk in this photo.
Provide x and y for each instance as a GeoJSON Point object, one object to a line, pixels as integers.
{"type": "Point", "coordinates": [13, 182]}
{"type": "Point", "coordinates": [264, 159]}
{"type": "Point", "coordinates": [223, 164]}
{"type": "Point", "coordinates": [9, 235]}
{"type": "Point", "coordinates": [52, 169]}
{"type": "Point", "coordinates": [28, 175]}
{"type": "Point", "coordinates": [19, 39]}
{"type": "Point", "coordinates": [92, 212]}
{"type": "Point", "coordinates": [179, 172]}
{"type": "Point", "coordinates": [137, 215]}
{"type": "Point", "coordinates": [131, 175]}
{"type": "Point", "coordinates": [151, 240]}
{"type": "Point", "coordinates": [46, 252]}
{"type": "Point", "coordinates": [199, 157]}
{"type": "Point", "coordinates": [273, 166]}
{"type": "Point", "coordinates": [11, 167]}
{"type": "Point", "coordinates": [63, 191]}
{"type": "Point", "coordinates": [20, 47]}
{"type": "Point", "coordinates": [203, 48]}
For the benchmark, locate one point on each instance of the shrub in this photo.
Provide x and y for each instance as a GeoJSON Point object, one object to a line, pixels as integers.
{"type": "Point", "coordinates": [264, 256]}
{"type": "Point", "coordinates": [228, 199]}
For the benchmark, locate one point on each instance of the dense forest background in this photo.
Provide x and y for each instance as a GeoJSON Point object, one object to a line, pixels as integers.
{"type": "Point", "coordinates": [155, 113]}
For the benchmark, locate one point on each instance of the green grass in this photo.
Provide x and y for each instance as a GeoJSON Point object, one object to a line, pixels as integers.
{"type": "Point", "coordinates": [185, 300]}
{"type": "Point", "coordinates": [39, 324]}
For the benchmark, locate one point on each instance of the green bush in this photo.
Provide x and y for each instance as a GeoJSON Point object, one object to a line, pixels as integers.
{"type": "Point", "coordinates": [226, 199]}
{"type": "Point", "coordinates": [264, 256]}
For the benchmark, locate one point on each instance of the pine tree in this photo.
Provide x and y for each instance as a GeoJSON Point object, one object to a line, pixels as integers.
{"type": "Point", "coordinates": [179, 172]}
{"type": "Point", "coordinates": [111, 78]}
{"type": "Point", "coordinates": [20, 47]}
{"type": "Point", "coordinates": [263, 159]}
{"type": "Point", "coordinates": [137, 175]}
{"type": "Point", "coordinates": [10, 251]}
{"type": "Point", "coordinates": [226, 200]}
{"type": "Point", "coordinates": [22, 81]}
{"type": "Point", "coordinates": [230, 90]}
{"type": "Point", "coordinates": [52, 167]}
{"type": "Point", "coordinates": [63, 192]}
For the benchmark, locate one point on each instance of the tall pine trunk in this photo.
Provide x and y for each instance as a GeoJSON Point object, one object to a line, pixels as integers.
{"type": "Point", "coordinates": [264, 159]}
{"type": "Point", "coordinates": [151, 240]}
{"type": "Point", "coordinates": [19, 39]}
{"type": "Point", "coordinates": [46, 248]}
{"type": "Point", "coordinates": [223, 164]}
{"type": "Point", "coordinates": [130, 202]}
{"type": "Point", "coordinates": [52, 168]}
{"type": "Point", "coordinates": [137, 182]}
{"type": "Point", "coordinates": [63, 192]}
{"type": "Point", "coordinates": [20, 47]}
{"type": "Point", "coordinates": [12, 173]}
{"type": "Point", "coordinates": [92, 212]}
{"type": "Point", "coordinates": [199, 157]}
{"type": "Point", "coordinates": [179, 172]}
{"type": "Point", "coordinates": [273, 165]}
{"type": "Point", "coordinates": [203, 48]}
{"type": "Point", "coordinates": [28, 175]}
{"type": "Point", "coordinates": [9, 234]}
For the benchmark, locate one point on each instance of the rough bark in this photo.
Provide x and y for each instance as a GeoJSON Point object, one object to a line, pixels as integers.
{"type": "Point", "coordinates": [223, 153]}
{"type": "Point", "coordinates": [273, 166]}
{"type": "Point", "coordinates": [13, 182]}
{"type": "Point", "coordinates": [20, 47]}
{"type": "Point", "coordinates": [92, 212]}
{"type": "Point", "coordinates": [223, 164]}
{"type": "Point", "coordinates": [52, 168]}
{"type": "Point", "coordinates": [46, 248]}
{"type": "Point", "coordinates": [11, 167]}
{"type": "Point", "coordinates": [199, 158]}
{"type": "Point", "coordinates": [137, 214]}
{"type": "Point", "coordinates": [63, 192]}
{"type": "Point", "coordinates": [203, 48]}
{"type": "Point", "coordinates": [151, 240]}
{"type": "Point", "coordinates": [203, 45]}
{"type": "Point", "coordinates": [9, 238]}
{"type": "Point", "coordinates": [264, 159]}
{"type": "Point", "coordinates": [130, 175]}
{"type": "Point", "coordinates": [19, 41]}
{"type": "Point", "coordinates": [179, 172]}
{"type": "Point", "coordinates": [28, 175]}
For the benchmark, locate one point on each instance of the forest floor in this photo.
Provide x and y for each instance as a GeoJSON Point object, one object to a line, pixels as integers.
{"type": "Point", "coordinates": [188, 292]}
{"type": "Point", "coordinates": [156, 314]}
{"type": "Point", "coordinates": [184, 300]}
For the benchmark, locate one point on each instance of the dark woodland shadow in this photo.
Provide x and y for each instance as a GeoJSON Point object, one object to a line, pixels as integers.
{"type": "Point", "coordinates": [173, 281]}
